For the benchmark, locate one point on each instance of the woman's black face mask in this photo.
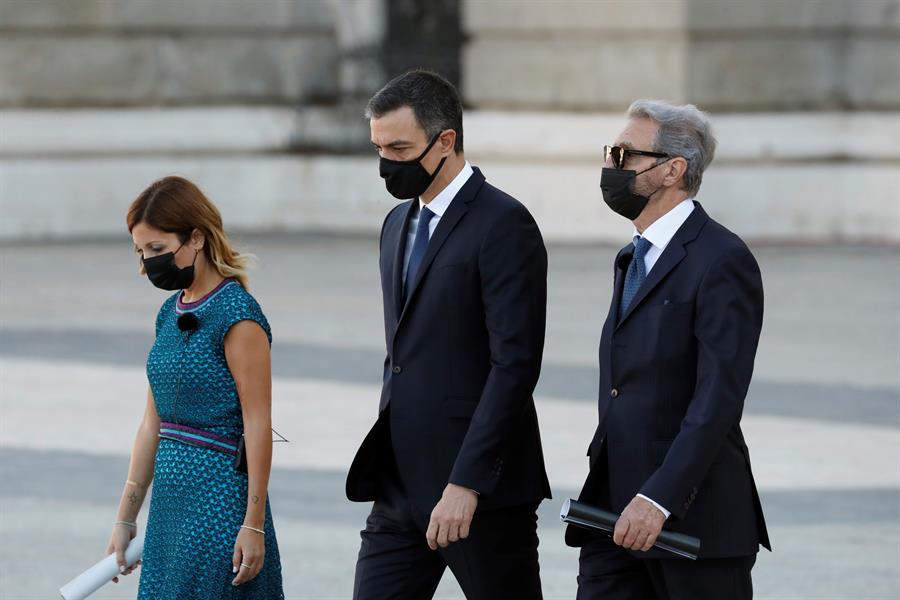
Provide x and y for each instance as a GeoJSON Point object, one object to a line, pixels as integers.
{"type": "Point", "coordinates": [165, 274]}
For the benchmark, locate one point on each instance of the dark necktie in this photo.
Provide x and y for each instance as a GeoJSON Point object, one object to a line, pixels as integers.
{"type": "Point", "coordinates": [636, 274]}
{"type": "Point", "coordinates": [420, 245]}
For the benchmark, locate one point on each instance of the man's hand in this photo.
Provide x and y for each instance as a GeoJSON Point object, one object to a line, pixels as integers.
{"type": "Point", "coordinates": [451, 518]}
{"type": "Point", "coordinates": [639, 525]}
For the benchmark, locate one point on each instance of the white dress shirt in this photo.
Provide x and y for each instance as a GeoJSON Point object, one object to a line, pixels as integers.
{"type": "Point", "coordinates": [438, 205]}
{"type": "Point", "coordinates": [659, 234]}
{"type": "Point", "coordinates": [661, 231]}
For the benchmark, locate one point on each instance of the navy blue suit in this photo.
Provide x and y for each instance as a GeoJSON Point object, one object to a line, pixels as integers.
{"type": "Point", "coordinates": [463, 357]}
{"type": "Point", "coordinates": [674, 371]}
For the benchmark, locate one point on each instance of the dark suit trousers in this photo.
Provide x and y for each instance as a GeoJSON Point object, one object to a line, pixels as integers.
{"type": "Point", "coordinates": [607, 572]}
{"type": "Point", "coordinates": [499, 559]}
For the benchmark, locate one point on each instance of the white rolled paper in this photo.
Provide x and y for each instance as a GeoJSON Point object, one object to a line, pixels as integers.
{"type": "Point", "coordinates": [101, 573]}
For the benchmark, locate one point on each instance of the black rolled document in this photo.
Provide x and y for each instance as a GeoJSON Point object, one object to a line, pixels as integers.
{"type": "Point", "coordinates": [591, 517]}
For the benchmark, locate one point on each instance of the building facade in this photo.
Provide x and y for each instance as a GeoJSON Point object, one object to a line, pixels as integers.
{"type": "Point", "coordinates": [261, 103]}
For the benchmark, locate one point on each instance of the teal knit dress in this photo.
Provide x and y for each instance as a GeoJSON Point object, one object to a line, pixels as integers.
{"type": "Point", "coordinates": [198, 499]}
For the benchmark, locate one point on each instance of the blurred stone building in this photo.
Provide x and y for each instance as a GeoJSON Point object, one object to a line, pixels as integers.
{"type": "Point", "coordinates": [260, 102]}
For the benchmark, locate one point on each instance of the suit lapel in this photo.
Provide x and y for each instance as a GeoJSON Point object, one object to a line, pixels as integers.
{"type": "Point", "coordinates": [623, 259]}
{"type": "Point", "coordinates": [669, 259]}
{"type": "Point", "coordinates": [621, 266]}
{"type": "Point", "coordinates": [457, 209]}
{"type": "Point", "coordinates": [399, 254]}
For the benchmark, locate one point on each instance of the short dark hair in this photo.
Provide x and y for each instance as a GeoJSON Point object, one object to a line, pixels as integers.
{"type": "Point", "coordinates": [433, 100]}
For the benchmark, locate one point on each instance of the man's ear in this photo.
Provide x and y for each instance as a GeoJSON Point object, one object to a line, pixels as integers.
{"type": "Point", "coordinates": [447, 141]}
{"type": "Point", "coordinates": [675, 170]}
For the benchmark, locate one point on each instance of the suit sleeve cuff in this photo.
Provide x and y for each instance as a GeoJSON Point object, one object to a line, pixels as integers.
{"type": "Point", "coordinates": [666, 513]}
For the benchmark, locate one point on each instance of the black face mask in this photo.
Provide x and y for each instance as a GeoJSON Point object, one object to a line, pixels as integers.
{"type": "Point", "coordinates": [165, 274]}
{"type": "Point", "coordinates": [407, 179]}
{"type": "Point", "coordinates": [617, 186]}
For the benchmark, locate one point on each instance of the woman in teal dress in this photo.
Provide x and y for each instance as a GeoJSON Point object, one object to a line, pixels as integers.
{"type": "Point", "coordinates": [209, 530]}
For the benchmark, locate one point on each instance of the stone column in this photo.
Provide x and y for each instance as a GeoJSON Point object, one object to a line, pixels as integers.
{"type": "Point", "coordinates": [424, 34]}
{"type": "Point", "coordinates": [360, 26]}
{"type": "Point", "coordinates": [379, 39]}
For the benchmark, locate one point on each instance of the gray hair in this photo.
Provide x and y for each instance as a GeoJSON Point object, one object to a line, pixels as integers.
{"type": "Point", "coordinates": [684, 131]}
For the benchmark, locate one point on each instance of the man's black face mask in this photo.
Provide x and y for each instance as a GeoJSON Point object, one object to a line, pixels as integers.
{"type": "Point", "coordinates": [407, 179]}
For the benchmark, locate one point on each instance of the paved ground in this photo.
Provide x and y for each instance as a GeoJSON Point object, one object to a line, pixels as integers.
{"type": "Point", "coordinates": [822, 420]}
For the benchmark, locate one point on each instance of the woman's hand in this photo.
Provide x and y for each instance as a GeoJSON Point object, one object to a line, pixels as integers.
{"type": "Point", "coordinates": [118, 541]}
{"type": "Point", "coordinates": [249, 555]}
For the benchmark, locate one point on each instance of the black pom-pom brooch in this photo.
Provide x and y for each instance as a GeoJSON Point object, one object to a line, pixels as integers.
{"type": "Point", "coordinates": [188, 322]}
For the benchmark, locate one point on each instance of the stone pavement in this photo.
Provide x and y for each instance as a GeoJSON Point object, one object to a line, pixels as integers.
{"type": "Point", "coordinates": [822, 419]}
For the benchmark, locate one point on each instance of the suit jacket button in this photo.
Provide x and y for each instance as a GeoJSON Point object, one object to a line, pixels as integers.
{"type": "Point", "coordinates": [397, 369]}
{"type": "Point", "coordinates": [614, 393]}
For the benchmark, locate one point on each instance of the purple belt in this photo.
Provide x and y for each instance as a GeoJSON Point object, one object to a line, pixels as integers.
{"type": "Point", "coordinates": [198, 437]}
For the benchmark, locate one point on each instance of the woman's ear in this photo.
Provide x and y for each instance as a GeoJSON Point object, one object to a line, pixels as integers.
{"type": "Point", "coordinates": [198, 240]}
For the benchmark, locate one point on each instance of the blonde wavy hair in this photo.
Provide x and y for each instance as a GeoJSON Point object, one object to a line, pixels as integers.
{"type": "Point", "coordinates": [176, 205]}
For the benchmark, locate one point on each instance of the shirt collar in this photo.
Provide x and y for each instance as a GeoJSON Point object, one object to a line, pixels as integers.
{"type": "Point", "coordinates": [442, 201]}
{"type": "Point", "coordinates": [661, 231]}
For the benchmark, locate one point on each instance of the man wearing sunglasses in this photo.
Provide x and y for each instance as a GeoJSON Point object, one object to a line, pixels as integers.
{"type": "Point", "coordinates": [676, 358]}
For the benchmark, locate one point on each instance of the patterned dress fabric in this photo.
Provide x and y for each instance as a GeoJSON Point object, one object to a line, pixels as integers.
{"type": "Point", "coordinates": [198, 499]}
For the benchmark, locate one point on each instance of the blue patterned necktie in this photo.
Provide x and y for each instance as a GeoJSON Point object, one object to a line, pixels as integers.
{"type": "Point", "coordinates": [420, 244]}
{"type": "Point", "coordinates": [636, 274]}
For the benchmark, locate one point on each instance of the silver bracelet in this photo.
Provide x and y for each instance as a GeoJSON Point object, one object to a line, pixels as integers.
{"type": "Point", "coordinates": [129, 523]}
{"type": "Point", "coordinates": [253, 529]}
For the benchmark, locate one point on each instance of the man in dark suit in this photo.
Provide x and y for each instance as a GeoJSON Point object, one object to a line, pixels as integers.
{"type": "Point", "coordinates": [454, 461]}
{"type": "Point", "coordinates": [676, 357]}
